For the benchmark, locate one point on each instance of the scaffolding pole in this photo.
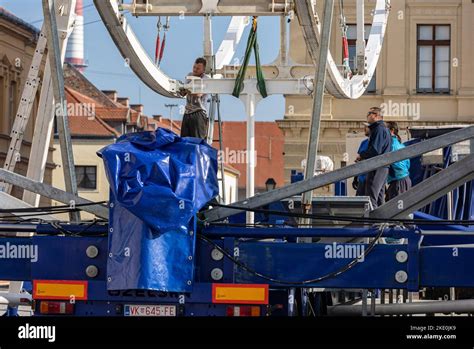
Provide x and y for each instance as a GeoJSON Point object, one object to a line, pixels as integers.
{"type": "Point", "coordinates": [49, 11]}
{"type": "Point", "coordinates": [318, 99]}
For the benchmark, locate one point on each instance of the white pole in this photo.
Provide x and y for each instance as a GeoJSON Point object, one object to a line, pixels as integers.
{"type": "Point", "coordinates": [360, 43]}
{"type": "Point", "coordinates": [171, 106]}
{"type": "Point", "coordinates": [251, 156]}
{"type": "Point", "coordinates": [208, 45]}
{"type": "Point", "coordinates": [283, 42]}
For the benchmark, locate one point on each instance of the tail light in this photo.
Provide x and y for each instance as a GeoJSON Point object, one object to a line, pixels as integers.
{"type": "Point", "coordinates": [243, 310]}
{"type": "Point", "coordinates": [56, 308]}
{"type": "Point", "coordinates": [26, 301]}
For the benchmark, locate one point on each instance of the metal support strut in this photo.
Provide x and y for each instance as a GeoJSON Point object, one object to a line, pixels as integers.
{"type": "Point", "coordinates": [49, 10]}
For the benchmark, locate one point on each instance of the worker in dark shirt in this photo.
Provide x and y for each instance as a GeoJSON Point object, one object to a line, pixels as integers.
{"type": "Point", "coordinates": [380, 142]}
{"type": "Point", "coordinates": [195, 120]}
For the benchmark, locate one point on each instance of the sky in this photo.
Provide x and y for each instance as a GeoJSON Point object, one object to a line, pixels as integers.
{"type": "Point", "coordinates": [107, 70]}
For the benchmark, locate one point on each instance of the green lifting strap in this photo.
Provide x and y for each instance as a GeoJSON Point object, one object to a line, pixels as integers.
{"type": "Point", "coordinates": [251, 43]}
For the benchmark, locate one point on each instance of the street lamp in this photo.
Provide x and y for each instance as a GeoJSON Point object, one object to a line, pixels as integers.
{"type": "Point", "coordinates": [171, 106]}
{"type": "Point", "coordinates": [270, 184]}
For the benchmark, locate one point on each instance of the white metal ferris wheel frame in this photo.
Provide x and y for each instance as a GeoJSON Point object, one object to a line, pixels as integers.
{"type": "Point", "coordinates": [156, 79]}
{"type": "Point", "coordinates": [336, 84]}
{"type": "Point", "coordinates": [143, 66]}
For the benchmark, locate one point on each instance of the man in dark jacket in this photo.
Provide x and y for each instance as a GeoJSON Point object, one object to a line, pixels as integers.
{"type": "Point", "coordinates": [195, 120]}
{"type": "Point", "coordinates": [380, 142]}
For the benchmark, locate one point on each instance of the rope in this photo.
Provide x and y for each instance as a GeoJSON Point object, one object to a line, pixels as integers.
{"type": "Point", "coordinates": [345, 45]}
{"type": "Point", "coordinates": [158, 46]}
{"type": "Point", "coordinates": [163, 43]}
{"type": "Point", "coordinates": [251, 44]}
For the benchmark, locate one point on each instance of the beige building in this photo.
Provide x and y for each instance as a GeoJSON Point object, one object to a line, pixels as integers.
{"type": "Point", "coordinates": [96, 119]}
{"type": "Point", "coordinates": [90, 173]}
{"type": "Point", "coordinates": [425, 76]}
{"type": "Point", "coordinates": [17, 45]}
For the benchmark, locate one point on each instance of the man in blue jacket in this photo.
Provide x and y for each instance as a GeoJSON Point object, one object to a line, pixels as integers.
{"type": "Point", "coordinates": [380, 142]}
{"type": "Point", "coordinates": [399, 173]}
{"type": "Point", "coordinates": [359, 181]}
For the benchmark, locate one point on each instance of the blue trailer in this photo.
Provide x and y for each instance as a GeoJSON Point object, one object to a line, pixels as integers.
{"type": "Point", "coordinates": [155, 259]}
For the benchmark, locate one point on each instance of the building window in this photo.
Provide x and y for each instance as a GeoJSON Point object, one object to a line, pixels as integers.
{"type": "Point", "coordinates": [351, 41]}
{"type": "Point", "coordinates": [433, 58]}
{"type": "Point", "coordinates": [86, 177]}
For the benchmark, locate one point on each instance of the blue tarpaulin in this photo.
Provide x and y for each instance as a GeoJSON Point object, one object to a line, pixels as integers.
{"type": "Point", "coordinates": [158, 181]}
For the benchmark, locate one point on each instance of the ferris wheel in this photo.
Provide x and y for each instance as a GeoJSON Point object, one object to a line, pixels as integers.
{"type": "Point", "coordinates": [340, 84]}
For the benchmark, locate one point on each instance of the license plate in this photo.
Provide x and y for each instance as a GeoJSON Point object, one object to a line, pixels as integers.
{"type": "Point", "coordinates": [150, 310]}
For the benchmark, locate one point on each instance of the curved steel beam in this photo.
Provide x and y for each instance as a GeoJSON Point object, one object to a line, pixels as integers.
{"type": "Point", "coordinates": [132, 51]}
{"type": "Point", "coordinates": [138, 59]}
{"type": "Point", "coordinates": [336, 84]}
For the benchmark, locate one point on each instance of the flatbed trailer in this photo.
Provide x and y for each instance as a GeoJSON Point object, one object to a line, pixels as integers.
{"type": "Point", "coordinates": [237, 273]}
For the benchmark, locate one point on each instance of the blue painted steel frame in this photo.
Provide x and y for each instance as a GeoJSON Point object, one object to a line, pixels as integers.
{"type": "Point", "coordinates": [216, 231]}
{"type": "Point", "coordinates": [296, 263]}
{"type": "Point", "coordinates": [64, 258]}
